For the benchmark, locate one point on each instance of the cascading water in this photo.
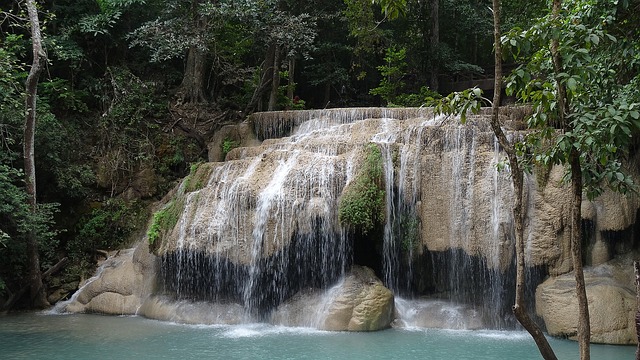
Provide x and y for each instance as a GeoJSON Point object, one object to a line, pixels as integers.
{"type": "Point", "coordinates": [265, 225]}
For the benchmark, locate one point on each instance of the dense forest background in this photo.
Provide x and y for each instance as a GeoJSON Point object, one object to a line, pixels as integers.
{"type": "Point", "coordinates": [132, 91]}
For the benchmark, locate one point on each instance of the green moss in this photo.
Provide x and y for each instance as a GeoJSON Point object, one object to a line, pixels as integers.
{"type": "Point", "coordinates": [362, 203]}
{"type": "Point", "coordinates": [407, 228]}
{"type": "Point", "coordinates": [197, 177]}
{"type": "Point", "coordinates": [164, 220]}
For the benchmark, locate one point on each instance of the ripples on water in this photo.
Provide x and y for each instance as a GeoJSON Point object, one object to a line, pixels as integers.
{"type": "Point", "coordinates": [38, 336]}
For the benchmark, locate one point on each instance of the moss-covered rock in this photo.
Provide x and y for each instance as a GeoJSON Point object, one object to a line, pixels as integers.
{"type": "Point", "coordinates": [363, 200]}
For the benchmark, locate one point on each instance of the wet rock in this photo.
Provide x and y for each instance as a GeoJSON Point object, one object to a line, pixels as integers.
{"type": "Point", "coordinates": [119, 287]}
{"type": "Point", "coordinates": [191, 312]}
{"type": "Point", "coordinates": [611, 298]}
{"type": "Point", "coordinates": [361, 304]}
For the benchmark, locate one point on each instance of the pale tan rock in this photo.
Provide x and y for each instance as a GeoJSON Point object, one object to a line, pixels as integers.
{"type": "Point", "coordinates": [361, 304]}
{"type": "Point", "coordinates": [120, 286]}
{"type": "Point", "coordinates": [611, 298]}
{"type": "Point", "coordinates": [111, 303]}
{"type": "Point", "coordinates": [241, 135]}
{"type": "Point", "coordinates": [191, 312]}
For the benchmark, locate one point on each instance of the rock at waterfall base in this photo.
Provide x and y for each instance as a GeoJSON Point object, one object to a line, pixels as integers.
{"type": "Point", "coordinates": [362, 304]}
{"type": "Point", "coordinates": [611, 298]}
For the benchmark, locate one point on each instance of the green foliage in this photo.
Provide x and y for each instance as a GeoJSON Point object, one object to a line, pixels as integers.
{"type": "Point", "coordinates": [361, 22]}
{"type": "Point", "coordinates": [392, 73]}
{"type": "Point", "coordinates": [425, 97]}
{"type": "Point", "coordinates": [126, 127]}
{"type": "Point", "coordinates": [12, 74]}
{"type": "Point", "coordinates": [460, 103]}
{"type": "Point", "coordinates": [107, 227]}
{"type": "Point", "coordinates": [408, 229]}
{"type": "Point", "coordinates": [164, 220]}
{"type": "Point", "coordinates": [110, 13]}
{"type": "Point", "coordinates": [392, 8]}
{"type": "Point", "coordinates": [228, 145]}
{"type": "Point", "coordinates": [17, 221]}
{"type": "Point", "coordinates": [362, 203]}
{"type": "Point", "coordinates": [602, 97]}
{"type": "Point", "coordinates": [59, 91]}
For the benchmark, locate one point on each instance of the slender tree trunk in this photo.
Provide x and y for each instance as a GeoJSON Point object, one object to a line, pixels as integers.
{"type": "Point", "coordinates": [275, 80]}
{"type": "Point", "coordinates": [519, 308]}
{"type": "Point", "coordinates": [636, 268]}
{"type": "Point", "coordinates": [327, 94]}
{"type": "Point", "coordinates": [36, 291]}
{"type": "Point", "coordinates": [435, 41]}
{"type": "Point", "coordinates": [291, 84]}
{"type": "Point", "coordinates": [584, 328]}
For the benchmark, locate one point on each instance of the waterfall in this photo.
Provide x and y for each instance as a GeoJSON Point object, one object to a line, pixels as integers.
{"type": "Point", "coordinates": [264, 225]}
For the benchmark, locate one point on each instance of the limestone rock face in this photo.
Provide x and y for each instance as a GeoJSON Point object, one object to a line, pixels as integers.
{"type": "Point", "coordinates": [190, 312]}
{"type": "Point", "coordinates": [240, 135]}
{"type": "Point", "coordinates": [120, 286]}
{"type": "Point", "coordinates": [611, 298]}
{"type": "Point", "coordinates": [361, 304]}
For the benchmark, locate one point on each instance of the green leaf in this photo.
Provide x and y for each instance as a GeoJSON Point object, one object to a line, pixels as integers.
{"type": "Point", "coordinates": [603, 160]}
{"type": "Point", "coordinates": [572, 84]}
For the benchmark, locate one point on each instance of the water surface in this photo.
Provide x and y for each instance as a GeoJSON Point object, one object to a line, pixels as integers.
{"type": "Point", "coordinates": [39, 336]}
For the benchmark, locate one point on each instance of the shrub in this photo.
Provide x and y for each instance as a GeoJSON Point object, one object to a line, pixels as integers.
{"type": "Point", "coordinates": [363, 201]}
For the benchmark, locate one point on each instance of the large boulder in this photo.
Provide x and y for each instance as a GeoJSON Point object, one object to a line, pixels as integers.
{"type": "Point", "coordinates": [611, 298]}
{"type": "Point", "coordinates": [358, 303]}
{"type": "Point", "coordinates": [119, 287]}
{"type": "Point", "coordinates": [361, 304]}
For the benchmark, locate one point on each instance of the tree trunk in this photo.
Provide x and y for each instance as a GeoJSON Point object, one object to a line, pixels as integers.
{"type": "Point", "coordinates": [435, 41]}
{"type": "Point", "coordinates": [275, 80]}
{"type": "Point", "coordinates": [584, 328]}
{"type": "Point", "coordinates": [519, 308]}
{"type": "Point", "coordinates": [291, 86]}
{"type": "Point", "coordinates": [265, 80]}
{"type": "Point", "coordinates": [636, 268]}
{"type": "Point", "coordinates": [36, 290]}
{"type": "Point", "coordinates": [192, 87]}
{"type": "Point", "coordinates": [327, 94]}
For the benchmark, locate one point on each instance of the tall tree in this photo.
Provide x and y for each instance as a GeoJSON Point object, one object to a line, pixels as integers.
{"type": "Point", "coordinates": [185, 30]}
{"type": "Point", "coordinates": [36, 290]}
{"type": "Point", "coordinates": [435, 43]}
{"type": "Point", "coordinates": [459, 103]}
{"type": "Point", "coordinates": [585, 98]}
{"type": "Point", "coordinates": [584, 329]}
{"type": "Point", "coordinates": [519, 307]}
